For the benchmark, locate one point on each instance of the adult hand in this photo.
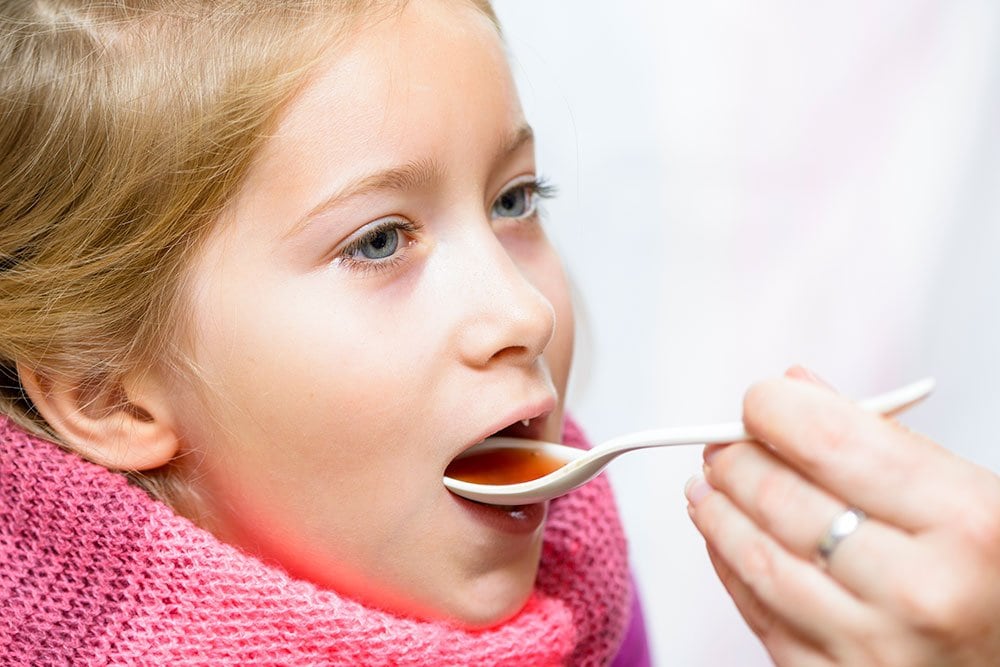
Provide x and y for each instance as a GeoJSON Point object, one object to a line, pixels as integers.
{"type": "Point", "coordinates": [917, 583]}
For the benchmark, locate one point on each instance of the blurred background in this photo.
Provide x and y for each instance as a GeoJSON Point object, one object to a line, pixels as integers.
{"type": "Point", "coordinates": [745, 186]}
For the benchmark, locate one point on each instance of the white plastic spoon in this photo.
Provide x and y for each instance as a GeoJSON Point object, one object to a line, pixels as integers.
{"type": "Point", "coordinates": [582, 465]}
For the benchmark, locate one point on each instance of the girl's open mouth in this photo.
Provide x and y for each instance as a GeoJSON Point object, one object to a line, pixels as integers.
{"type": "Point", "coordinates": [509, 518]}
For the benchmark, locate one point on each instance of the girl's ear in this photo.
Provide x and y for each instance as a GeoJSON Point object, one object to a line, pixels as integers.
{"type": "Point", "coordinates": [122, 425]}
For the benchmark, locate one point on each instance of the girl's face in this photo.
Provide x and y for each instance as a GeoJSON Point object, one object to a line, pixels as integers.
{"type": "Point", "coordinates": [379, 298]}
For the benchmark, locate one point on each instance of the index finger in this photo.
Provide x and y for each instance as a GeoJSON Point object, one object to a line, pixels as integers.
{"type": "Point", "coordinates": [866, 460]}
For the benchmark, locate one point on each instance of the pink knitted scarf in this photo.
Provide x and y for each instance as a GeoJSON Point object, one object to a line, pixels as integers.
{"type": "Point", "coordinates": [93, 571]}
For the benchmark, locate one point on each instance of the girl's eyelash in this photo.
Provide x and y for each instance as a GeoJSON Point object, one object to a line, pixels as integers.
{"type": "Point", "coordinates": [543, 188]}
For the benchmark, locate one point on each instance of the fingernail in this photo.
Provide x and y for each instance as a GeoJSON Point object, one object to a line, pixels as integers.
{"type": "Point", "coordinates": [696, 489]}
{"type": "Point", "coordinates": [807, 374]}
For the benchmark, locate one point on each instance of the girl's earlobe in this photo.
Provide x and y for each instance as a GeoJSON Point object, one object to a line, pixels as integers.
{"type": "Point", "coordinates": [121, 429]}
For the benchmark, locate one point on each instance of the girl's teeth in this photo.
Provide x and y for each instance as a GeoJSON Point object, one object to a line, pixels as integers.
{"type": "Point", "coordinates": [526, 422]}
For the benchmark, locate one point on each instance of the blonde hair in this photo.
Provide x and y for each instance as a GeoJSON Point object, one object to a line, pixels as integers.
{"type": "Point", "coordinates": [125, 128]}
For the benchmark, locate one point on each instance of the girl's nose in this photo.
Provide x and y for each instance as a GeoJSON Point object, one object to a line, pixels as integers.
{"type": "Point", "coordinates": [505, 316]}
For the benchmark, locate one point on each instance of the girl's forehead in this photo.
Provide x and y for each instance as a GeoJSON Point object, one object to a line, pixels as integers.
{"type": "Point", "coordinates": [436, 61]}
{"type": "Point", "coordinates": [415, 50]}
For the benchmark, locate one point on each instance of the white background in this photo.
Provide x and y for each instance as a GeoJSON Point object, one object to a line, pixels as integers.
{"type": "Point", "coordinates": [749, 185]}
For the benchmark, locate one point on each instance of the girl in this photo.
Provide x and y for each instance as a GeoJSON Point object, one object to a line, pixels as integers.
{"type": "Point", "coordinates": [280, 263]}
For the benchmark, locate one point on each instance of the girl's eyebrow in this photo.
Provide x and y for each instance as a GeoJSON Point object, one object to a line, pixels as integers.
{"type": "Point", "coordinates": [521, 135]}
{"type": "Point", "coordinates": [409, 176]}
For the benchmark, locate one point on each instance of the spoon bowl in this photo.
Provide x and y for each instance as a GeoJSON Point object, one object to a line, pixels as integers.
{"type": "Point", "coordinates": [573, 467]}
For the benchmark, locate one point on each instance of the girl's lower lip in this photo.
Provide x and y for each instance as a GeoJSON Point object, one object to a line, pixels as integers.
{"type": "Point", "coordinates": [516, 520]}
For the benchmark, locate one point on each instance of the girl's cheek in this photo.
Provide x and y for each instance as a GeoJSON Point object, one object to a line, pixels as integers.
{"type": "Point", "coordinates": [554, 284]}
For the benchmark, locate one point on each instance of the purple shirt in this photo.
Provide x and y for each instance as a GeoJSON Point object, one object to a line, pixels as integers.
{"type": "Point", "coordinates": [634, 651]}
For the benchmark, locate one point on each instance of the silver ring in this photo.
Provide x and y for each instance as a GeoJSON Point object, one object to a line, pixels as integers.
{"type": "Point", "coordinates": [842, 527]}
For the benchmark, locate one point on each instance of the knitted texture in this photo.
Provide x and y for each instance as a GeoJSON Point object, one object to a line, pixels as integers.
{"type": "Point", "coordinates": [94, 572]}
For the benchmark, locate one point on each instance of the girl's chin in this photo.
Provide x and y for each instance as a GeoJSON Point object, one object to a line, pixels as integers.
{"type": "Point", "coordinates": [487, 611]}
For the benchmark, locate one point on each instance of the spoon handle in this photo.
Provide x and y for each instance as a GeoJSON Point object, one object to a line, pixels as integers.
{"type": "Point", "coordinates": [889, 403]}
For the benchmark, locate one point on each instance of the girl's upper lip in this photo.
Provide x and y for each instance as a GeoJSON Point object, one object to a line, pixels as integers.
{"type": "Point", "coordinates": [536, 411]}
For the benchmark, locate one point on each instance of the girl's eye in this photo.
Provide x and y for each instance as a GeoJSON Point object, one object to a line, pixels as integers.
{"type": "Point", "coordinates": [378, 245]}
{"type": "Point", "coordinates": [520, 200]}
{"type": "Point", "coordinates": [517, 202]}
